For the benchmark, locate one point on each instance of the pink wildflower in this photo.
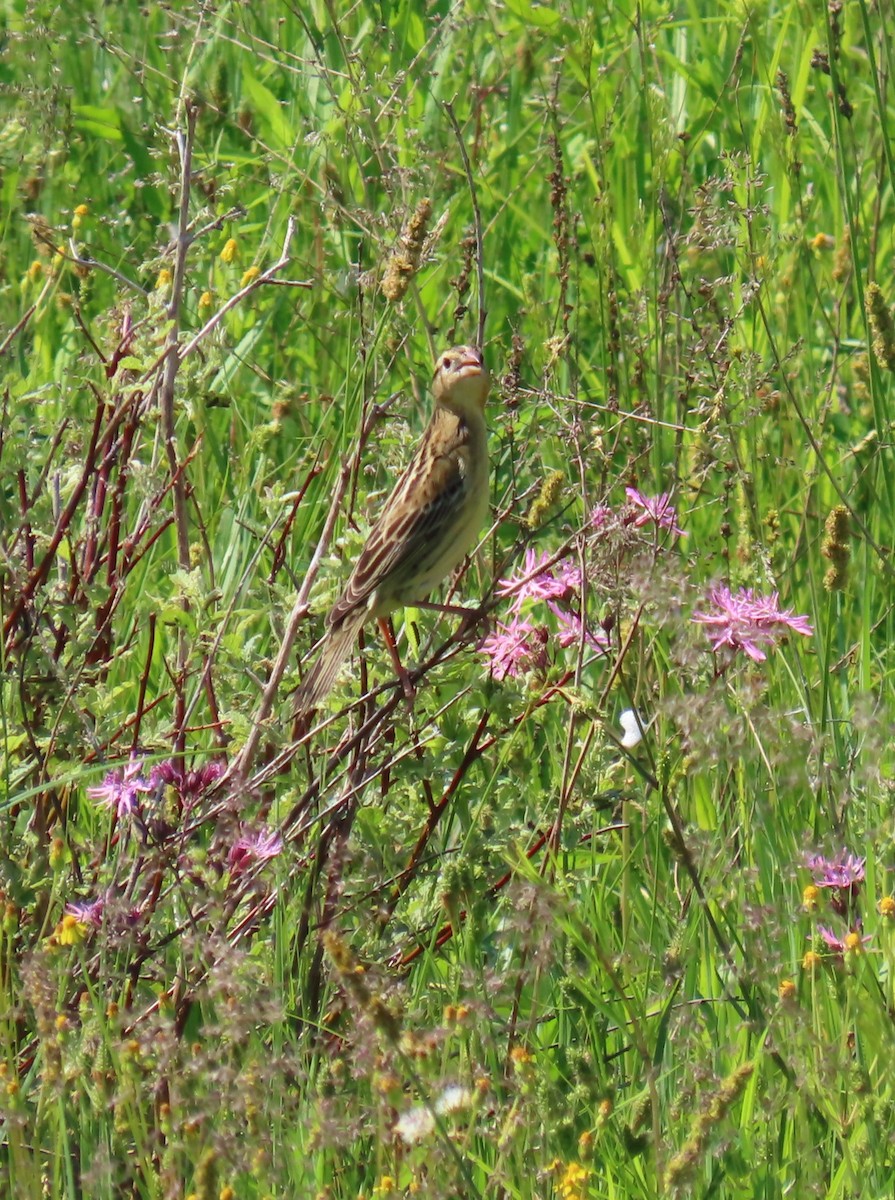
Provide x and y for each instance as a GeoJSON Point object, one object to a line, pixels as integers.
{"type": "Point", "coordinates": [534, 581]}
{"type": "Point", "coordinates": [843, 871]}
{"type": "Point", "coordinates": [514, 648]}
{"type": "Point", "coordinates": [658, 509]}
{"type": "Point", "coordinates": [745, 621]}
{"type": "Point", "coordinates": [88, 912]}
{"type": "Point", "coordinates": [599, 516]}
{"type": "Point", "coordinates": [843, 874]}
{"type": "Point", "coordinates": [569, 632]}
{"type": "Point", "coordinates": [189, 785]}
{"type": "Point", "coordinates": [852, 940]}
{"type": "Point", "coordinates": [250, 848]}
{"type": "Point", "coordinates": [121, 788]}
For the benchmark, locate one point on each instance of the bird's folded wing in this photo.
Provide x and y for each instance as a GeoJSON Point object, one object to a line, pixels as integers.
{"type": "Point", "coordinates": [412, 533]}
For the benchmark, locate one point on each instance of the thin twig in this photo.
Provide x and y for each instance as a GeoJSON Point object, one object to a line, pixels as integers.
{"type": "Point", "coordinates": [243, 763]}
{"type": "Point", "coordinates": [477, 217]}
{"type": "Point", "coordinates": [166, 399]}
{"type": "Point", "coordinates": [93, 264]}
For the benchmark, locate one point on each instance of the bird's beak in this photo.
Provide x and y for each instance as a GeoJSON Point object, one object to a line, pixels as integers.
{"type": "Point", "coordinates": [472, 363]}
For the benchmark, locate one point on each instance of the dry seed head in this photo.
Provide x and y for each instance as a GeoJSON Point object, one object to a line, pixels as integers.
{"type": "Point", "coordinates": [404, 262]}
{"type": "Point", "coordinates": [880, 326]}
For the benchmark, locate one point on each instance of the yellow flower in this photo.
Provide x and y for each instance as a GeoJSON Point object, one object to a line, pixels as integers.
{"type": "Point", "coordinates": [205, 300]}
{"type": "Point", "coordinates": [822, 241]}
{"type": "Point", "coordinates": [811, 960]}
{"type": "Point", "coordinates": [229, 251]}
{"type": "Point", "coordinates": [810, 897]}
{"type": "Point", "coordinates": [82, 210]}
{"type": "Point", "coordinates": [70, 931]}
{"type": "Point", "coordinates": [35, 270]}
{"type": "Point", "coordinates": [887, 907]}
{"type": "Point", "coordinates": [250, 274]}
{"type": "Point", "coordinates": [854, 942]}
{"type": "Point", "coordinates": [786, 990]}
{"type": "Point", "coordinates": [164, 279]}
{"type": "Point", "coordinates": [573, 1180]}
{"type": "Point", "coordinates": [520, 1058]}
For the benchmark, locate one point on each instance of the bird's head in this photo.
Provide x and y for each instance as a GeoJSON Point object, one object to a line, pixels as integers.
{"type": "Point", "coordinates": [461, 379]}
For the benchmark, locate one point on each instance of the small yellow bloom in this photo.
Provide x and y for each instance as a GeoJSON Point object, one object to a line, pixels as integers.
{"type": "Point", "coordinates": [573, 1180]}
{"type": "Point", "coordinates": [229, 251]}
{"type": "Point", "coordinates": [822, 241]}
{"type": "Point", "coordinates": [35, 270]}
{"type": "Point", "coordinates": [205, 300]}
{"type": "Point", "coordinates": [519, 1056]}
{"type": "Point", "coordinates": [227, 1193]}
{"type": "Point", "coordinates": [604, 1110]}
{"type": "Point", "coordinates": [164, 279]}
{"type": "Point", "coordinates": [887, 907]}
{"type": "Point", "coordinates": [853, 942]}
{"type": "Point", "coordinates": [82, 210]}
{"type": "Point", "coordinates": [811, 960]}
{"type": "Point", "coordinates": [810, 897]}
{"type": "Point", "coordinates": [786, 990]}
{"type": "Point", "coordinates": [252, 273]}
{"type": "Point", "coordinates": [70, 931]}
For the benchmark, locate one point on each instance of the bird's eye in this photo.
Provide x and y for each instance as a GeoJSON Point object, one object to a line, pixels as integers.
{"type": "Point", "coordinates": [446, 362]}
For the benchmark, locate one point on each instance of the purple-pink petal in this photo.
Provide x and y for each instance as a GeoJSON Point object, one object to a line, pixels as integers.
{"type": "Point", "coordinates": [251, 847]}
{"type": "Point", "coordinates": [513, 648]}
{"type": "Point", "coordinates": [745, 621]}
{"type": "Point", "coordinates": [535, 581]}
{"type": "Point", "coordinates": [658, 509]}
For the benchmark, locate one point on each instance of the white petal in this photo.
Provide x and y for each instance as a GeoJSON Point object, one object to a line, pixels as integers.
{"type": "Point", "coordinates": [630, 723]}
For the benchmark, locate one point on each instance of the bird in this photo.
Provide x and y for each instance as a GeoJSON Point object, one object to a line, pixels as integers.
{"type": "Point", "coordinates": [428, 523]}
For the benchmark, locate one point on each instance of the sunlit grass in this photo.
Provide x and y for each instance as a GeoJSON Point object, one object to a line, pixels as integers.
{"type": "Point", "coordinates": [497, 946]}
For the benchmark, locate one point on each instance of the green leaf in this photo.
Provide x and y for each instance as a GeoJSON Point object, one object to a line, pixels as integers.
{"type": "Point", "coordinates": [533, 14]}
{"type": "Point", "coordinates": [269, 111]}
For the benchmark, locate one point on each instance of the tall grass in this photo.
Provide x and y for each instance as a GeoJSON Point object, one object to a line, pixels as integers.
{"type": "Point", "coordinates": [497, 944]}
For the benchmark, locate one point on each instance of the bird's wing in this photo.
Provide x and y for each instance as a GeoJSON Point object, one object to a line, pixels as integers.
{"type": "Point", "coordinates": [411, 534]}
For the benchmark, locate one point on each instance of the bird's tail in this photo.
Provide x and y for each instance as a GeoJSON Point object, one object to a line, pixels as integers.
{"type": "Point", "coordinates": [334, 649]}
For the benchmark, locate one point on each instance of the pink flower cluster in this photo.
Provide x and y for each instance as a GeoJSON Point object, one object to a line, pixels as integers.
{"type": "Point", "coordinates": [520, 645]}
{"type": "Point", "coordinates": [122, 788]}
{"type": "Point", "coordinates": [746, 621]}
{"type": "Point", "coordinates": [658, 509]}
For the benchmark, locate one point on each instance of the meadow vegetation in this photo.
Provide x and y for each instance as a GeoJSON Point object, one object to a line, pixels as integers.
{"type": "Point", "coordinates": [610, 912]}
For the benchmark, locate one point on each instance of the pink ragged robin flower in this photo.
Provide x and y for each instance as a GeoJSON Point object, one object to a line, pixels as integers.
{"type": "Point", "coordinates": [657, 509]}
{"type": "Point", "coordinates": [252, 847]}
{"type": "Point", "coordinates": [853, 940]}
{"type": "Point", "coordinates": [746, 621]}
{"type": "Point", "coordinates": [189, 785]}
{"type": "Point", "coordinates": [843, 871]}
{"type": "Point", "coordinates": [569, 631]}
{"type": "Point", "coordinates": [600, 516]}
{"type": "Point", "coordinates": [514, 648]}
{"type": "Point", "coordinates": [843, 875]}
{"type": "Point", "coordinates": [535, 581]}
{"type": "Point", "coordinates": [88, 912]}
{"type": "Point", "coordinates": [122, 788]}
